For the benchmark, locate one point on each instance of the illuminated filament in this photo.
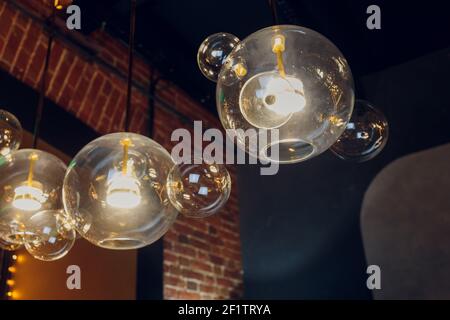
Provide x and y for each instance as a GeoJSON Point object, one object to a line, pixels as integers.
{"type": "Point", "coordinates": [29, 195]}
{"type": "Point", "coordinates": [278, 47]}
{"type": "Point", "coordinates": [123, 187]}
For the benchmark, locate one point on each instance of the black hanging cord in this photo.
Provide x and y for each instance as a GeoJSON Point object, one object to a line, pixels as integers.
{"type": "Point", "coordinates": [130, 63]}
{"type": "Point", "coordinates": [274, 9]}
{"type": "Point", "coordinates": [43, 85]}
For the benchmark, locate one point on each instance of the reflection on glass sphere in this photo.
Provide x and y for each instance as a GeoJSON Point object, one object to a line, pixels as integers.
{"type": "Point", "coordinates": [365, 136]}
{"type": "Point", "coordinates": [289, 78]}
{"type": "Point", "coordinates": [212, 53]}
{"type": "Point", "coordinates": [9, 246]}
{"type": "Point", "coordinates": [115, 191]}
{"type": "Point", "coordinates": [30, 181]}
{"type": "Point", "coordinates": [199, 190]}
{"type": "Point", "coordinates": [10, 133]}
{"type": "Point", "coordinates": [51, 240]}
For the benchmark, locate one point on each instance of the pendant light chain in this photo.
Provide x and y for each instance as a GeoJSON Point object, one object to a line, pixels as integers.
{"type": "Point", "coordinates": [130, 63]}
{"type": "Point", "coordinates": [43, 85]}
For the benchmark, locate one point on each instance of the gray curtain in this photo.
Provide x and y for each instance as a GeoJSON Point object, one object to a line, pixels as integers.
{"type": "Point", "coordinates": [405, 226]}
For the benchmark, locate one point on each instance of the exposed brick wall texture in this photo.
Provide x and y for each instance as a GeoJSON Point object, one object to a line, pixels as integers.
{"type": "Point", "coordinates": [202, 258]}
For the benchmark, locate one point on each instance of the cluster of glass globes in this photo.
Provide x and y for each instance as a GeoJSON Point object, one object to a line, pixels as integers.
{"type": "Point", "coordinates": [30, 197]}
{"type": "Point", "coordinates": [124, 191]}
{"type": "Point", "coordinates": [288, 80]}
{"type": "Point", "coordinates": [121, 191]}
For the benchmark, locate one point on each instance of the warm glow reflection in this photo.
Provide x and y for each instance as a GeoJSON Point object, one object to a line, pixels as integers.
{"type": "Point", "coordinates": [13, 294]}
{"type": "Point", "coordinates": [284, 95]}
{"type": "Point", "coordinates": [123, 192]}
{"type": "Point", "coordinates": [29, 198]}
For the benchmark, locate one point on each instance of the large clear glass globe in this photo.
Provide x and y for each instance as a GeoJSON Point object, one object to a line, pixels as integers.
{"type": "Point", "coordinates": [199, 190]}
{"type": "Point", "coordinates": [52, 240]}
{"type": "Point", "coordinates": [10, 133]}
{"type": "Point", "coordinates": [365, 136]}
{"type": "Point", "coordinates": [115, 191]}
{"type": "Point", "coordinates": [289, 79]}
{"type": "Point", "coordinates": [30, 182]}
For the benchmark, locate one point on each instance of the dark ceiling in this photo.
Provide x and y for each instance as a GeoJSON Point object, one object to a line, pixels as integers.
{"type": "Point", "coordinates": [170, 31]}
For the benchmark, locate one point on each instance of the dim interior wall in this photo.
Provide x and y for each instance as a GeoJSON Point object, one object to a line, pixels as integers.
{"type": "Point", "coordinates": [300, 229]}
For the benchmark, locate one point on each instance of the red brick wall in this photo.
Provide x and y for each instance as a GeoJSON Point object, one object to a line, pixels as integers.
{"type": "Point", "coordinates": [202, 258]}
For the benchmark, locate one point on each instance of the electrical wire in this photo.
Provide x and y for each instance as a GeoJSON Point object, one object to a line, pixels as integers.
{"type": "Point", "coordinates": [274, 10]}
{"type": "Point", "coordinates": [130, 63]}
{"type": "Point", "coordinates": [43, 85]}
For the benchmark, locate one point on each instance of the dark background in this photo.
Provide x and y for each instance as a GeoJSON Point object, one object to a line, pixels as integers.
{"type": "Point", "coordinates": [169, 32]}
{"type": "Point", "coordinates": [301, 228]}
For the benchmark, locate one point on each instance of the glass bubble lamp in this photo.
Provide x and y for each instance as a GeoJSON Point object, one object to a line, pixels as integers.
{"type": "Point", "coordinates": [30, 182]}
{"type": "Point", "coordinates": [365, 136]}
{"type": "Point", "coordinates": [212, 53]}
{"type": "Point", "coordinates": [9, 246]}
{"type": "Point", "coordinates": [290, 79]}
{"type": "Point", "coordinates": [51, 239]}
{"type": "Point", "coordinates": [115, 188]}
{"type": "Point", "coordinates": [10, 133]}
{"type": "Point", "coordinates": [199, 190]}
{"type": "Point", "coordinates": [115, 191]}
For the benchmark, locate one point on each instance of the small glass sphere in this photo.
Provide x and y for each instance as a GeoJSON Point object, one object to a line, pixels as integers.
{"type": "Point", "coordinates": [9, 246]}
{"type": "Point", "coordinates": [199, 190]}
{"type": "Point", "coordinates": [115, 191]}
{"type": "Point", "coordinates": [212, 53]}
{"type": "Point", "coordinates": [365, 136]}
{"type": "Point", "coordinates": [10, 133]}
{"type": "Point", "coordinates": [30, 181]}
{"type": "Point", "coordinates": [51, 240]}
{"type": "Point", "coordinates": [289, 79]}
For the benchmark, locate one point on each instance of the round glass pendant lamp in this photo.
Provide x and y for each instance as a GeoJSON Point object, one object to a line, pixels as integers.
{"type": "Point", "coordinates": [365, 136]}
{"type": "Point", "coordinates": [290, 79]}
{"type": "Point", "coordinates": [213, 52]}
{"type": "Point", "coordinates": [10, 133]}
{"type": "Point", "coordinates": [52, 239]}
{"type": "Point", "coordinates": [30, 182]}
{"type": "Point", "coordinates": [115, 191]}
{"type": "Point", "coordinates": [199, 190]}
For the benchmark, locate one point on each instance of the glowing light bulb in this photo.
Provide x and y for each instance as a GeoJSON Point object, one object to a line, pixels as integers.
{"type": "Point", "coordinates": [29, 197]}
{"type": "Point", "coordinates": [284, 95]}
{"type": "Point", "coordinates": [123, 191]}
{"type": "Point", "coordinates": [268, 99]}
{"type": "Point", "coordinates": [123, 188]}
